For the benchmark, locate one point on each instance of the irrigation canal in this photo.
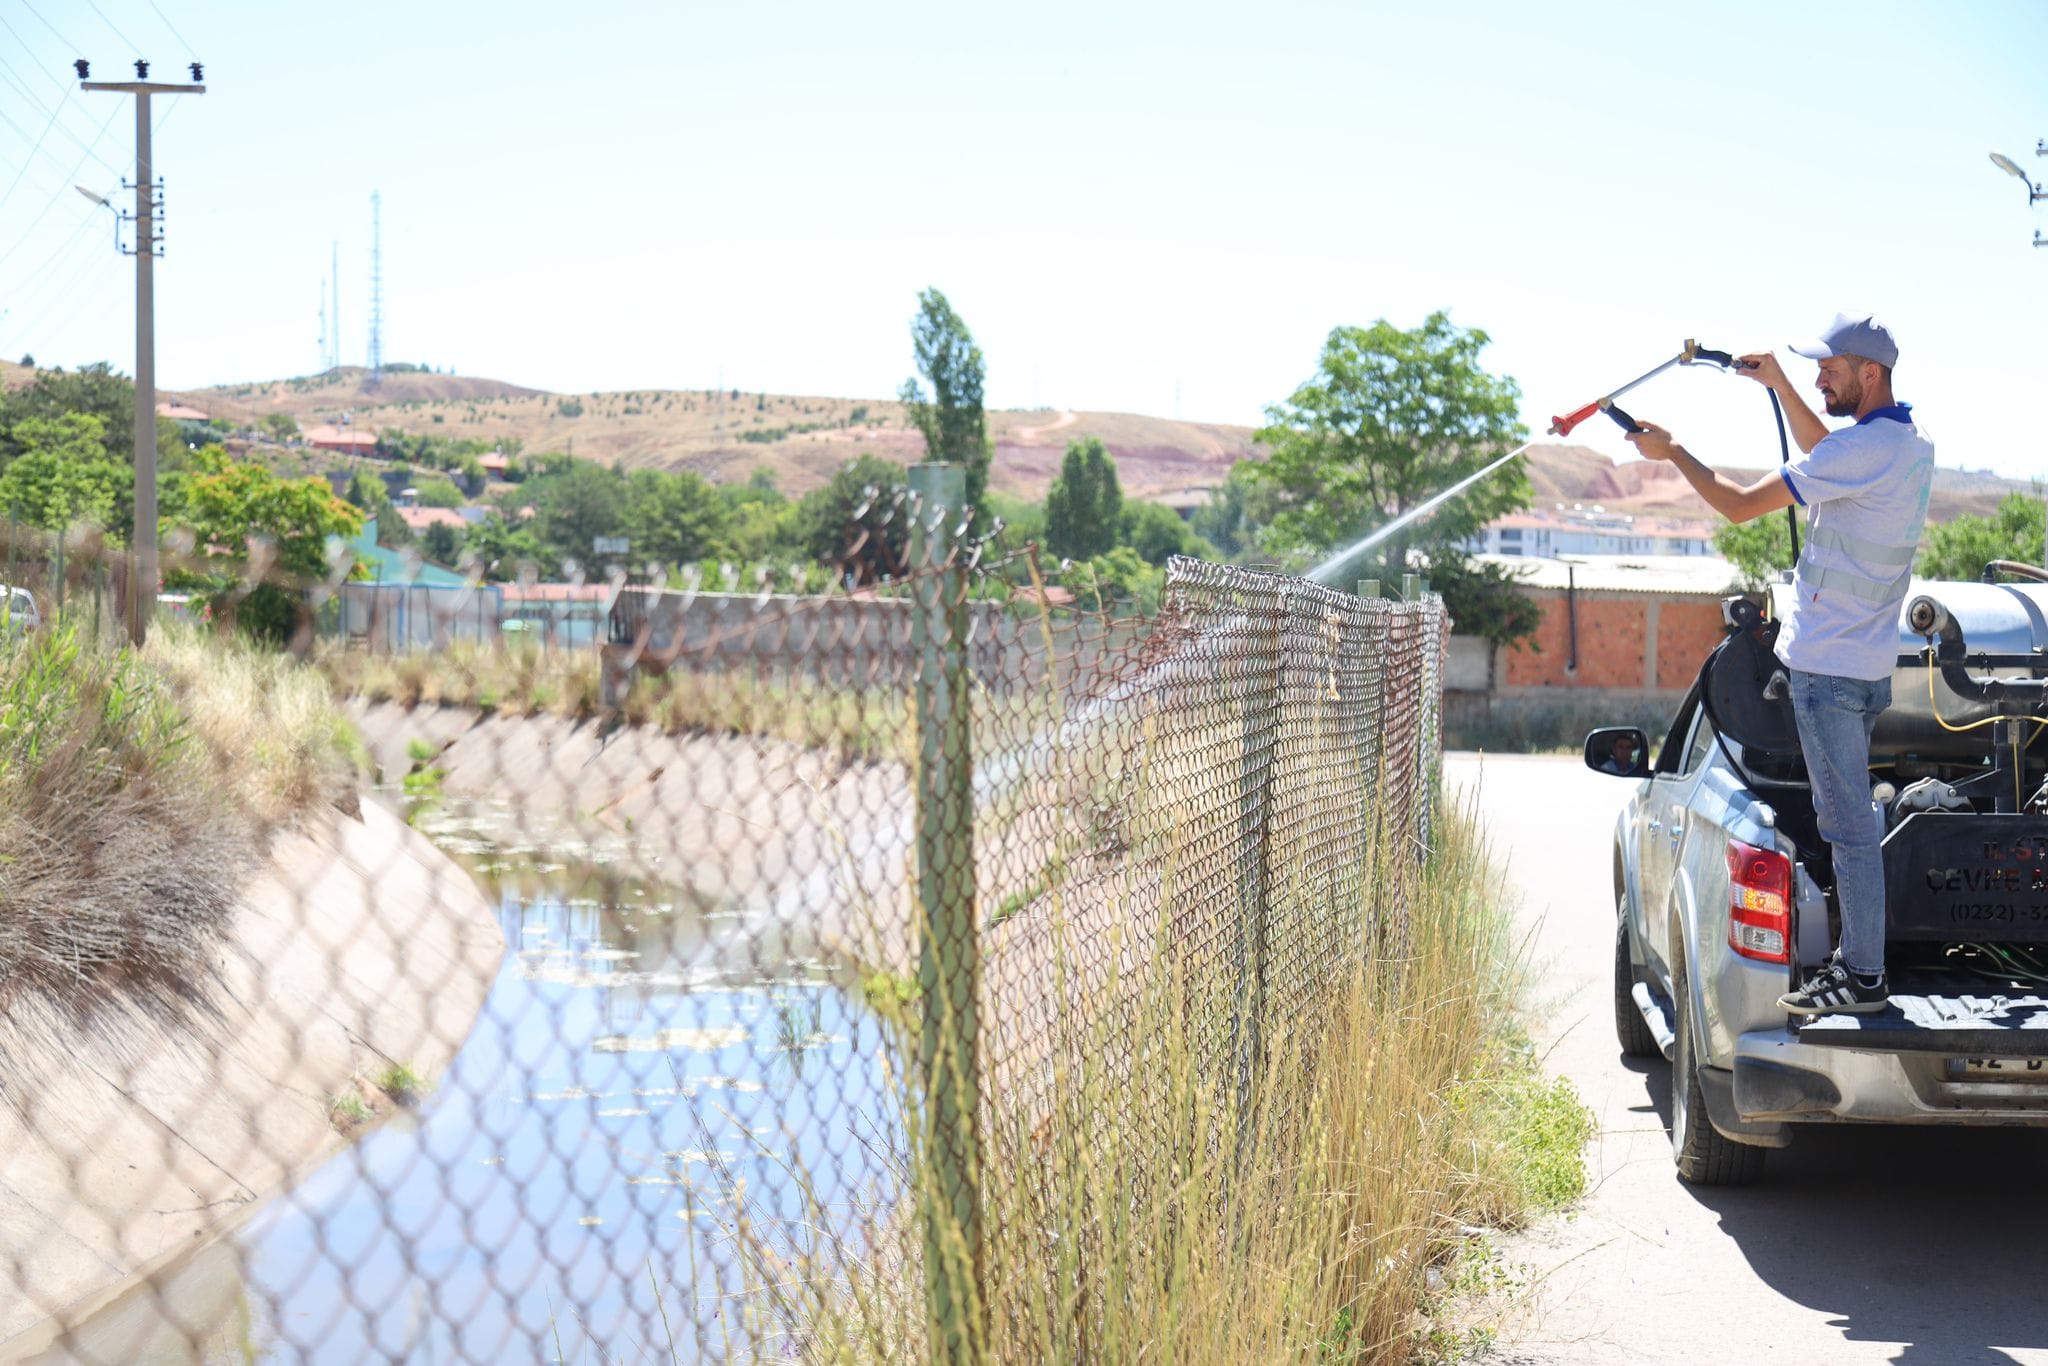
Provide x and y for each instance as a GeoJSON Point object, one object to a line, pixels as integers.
{"type": "Point", "coordinates": [637, 1079]}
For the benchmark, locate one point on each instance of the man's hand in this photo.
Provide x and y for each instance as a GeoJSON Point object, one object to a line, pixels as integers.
{"type": "Point", "coordinates": [1652, 442]}
{"type": "Point", "coordinates": [1763, 367]}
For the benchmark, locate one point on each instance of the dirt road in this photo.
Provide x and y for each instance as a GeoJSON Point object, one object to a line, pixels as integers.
{"type": "Point", "coordinates": [1919, 1247]}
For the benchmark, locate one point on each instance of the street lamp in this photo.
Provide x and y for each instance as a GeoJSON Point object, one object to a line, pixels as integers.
{"type": "Point", "coordinates": [101, 200]}
{"type": "Point", "coordinates": [2035, 194]}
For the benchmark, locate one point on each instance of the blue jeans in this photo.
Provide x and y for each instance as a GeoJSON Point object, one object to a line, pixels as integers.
{"type": "Point", "coordinates": [1836, 716]}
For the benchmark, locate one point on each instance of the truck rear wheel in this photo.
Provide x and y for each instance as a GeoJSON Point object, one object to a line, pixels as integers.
{"type": "Point", "coordinates": [1631, 1031]}
{"type": "Point", "coordinates": [1706, 1157]}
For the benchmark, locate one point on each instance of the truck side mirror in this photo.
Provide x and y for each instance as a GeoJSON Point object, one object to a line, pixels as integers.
{"type": "Point", "coordinates": [1623, 751]}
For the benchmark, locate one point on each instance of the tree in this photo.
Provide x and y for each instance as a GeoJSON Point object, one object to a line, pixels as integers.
{"type": "Point", "coordinates": [951, 419]}
{"type": "Point", "coordinates": [367, 492]}
{"type": "Point", "coordinates": [1157, 533]}
{"type": "Point", "coordinates": [1083, 507]}
{"type": "Point", "coordinates": [502, 547]}
{"type": "Point", "coordinates": [92, 390]}
{"type": "Point", "coordinates": [575, 507]}
{"type": "Point", "coordinates": [1758, 548]}
{"type": "Point", "coordinates": [437, 493]}
{"type": "Point", "coordinates": [1237, 511]}
{"type": "Point", "coordinates": [257, 539]}
{"type": "Point", "coordinates": [672, 518]}
{"type": "Point", "coordinates": [1960, 547]}
{"type": "Point", "coordinates": [441, 543]}
{"type": "Point", "coordinates": [1391, 418]}
{"type": "Point", "coordinates": [281, 426]}
{"type": "Point", "coordinates": [857, 523]}
{"type": "Point", "coordinates": [1118, 577]}
{"type": "Point", "coordinates": [61, 473]}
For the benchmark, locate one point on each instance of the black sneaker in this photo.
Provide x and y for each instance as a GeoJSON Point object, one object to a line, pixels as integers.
{"type": "Point", "coordinates": [1836, 990]}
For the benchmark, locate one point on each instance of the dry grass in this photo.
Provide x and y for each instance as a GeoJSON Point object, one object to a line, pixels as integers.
{"type": "Point", "coordinates": [1147, 1216]}
{"type": "Point", "coordinates": [134, 793]}
{"type": "Point", "coordinates": [524, 680]}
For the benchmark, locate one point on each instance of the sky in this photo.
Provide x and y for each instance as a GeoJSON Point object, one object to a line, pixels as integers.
{"type": "Point", "coordinates": [1145, 208]}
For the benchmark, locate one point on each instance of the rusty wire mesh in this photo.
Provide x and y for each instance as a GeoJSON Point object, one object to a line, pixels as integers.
{"type": "Point", "coordinates": [743, 984]}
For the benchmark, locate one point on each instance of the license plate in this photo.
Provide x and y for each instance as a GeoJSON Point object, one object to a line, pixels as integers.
{"type": "Point", "coordinates": [1998, 1069]}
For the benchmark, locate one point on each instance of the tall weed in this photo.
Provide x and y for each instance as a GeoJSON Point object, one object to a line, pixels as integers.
{"type": "Point", "coordinates": [135, 791]}
{"type": "Point", "coordinates": [1142, 1208]}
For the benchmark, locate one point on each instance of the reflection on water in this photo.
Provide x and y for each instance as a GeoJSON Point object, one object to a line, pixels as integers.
{"type": "Point", "coordinates": [633, 1080]}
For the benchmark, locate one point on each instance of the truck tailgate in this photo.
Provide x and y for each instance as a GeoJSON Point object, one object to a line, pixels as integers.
{"type": "Point", "coordinates": [2002, 1025]}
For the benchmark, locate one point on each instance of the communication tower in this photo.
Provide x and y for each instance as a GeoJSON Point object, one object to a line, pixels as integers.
{"type": "Point", "coordinates": [376, 375]}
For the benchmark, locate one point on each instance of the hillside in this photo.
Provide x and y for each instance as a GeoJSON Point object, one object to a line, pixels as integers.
{"type": "Point", "coordinates": [726, 436]}
{"type": "Point", "coordinates": [802, 440]}
{"type": "Point", "coordinates": [1574, 474]}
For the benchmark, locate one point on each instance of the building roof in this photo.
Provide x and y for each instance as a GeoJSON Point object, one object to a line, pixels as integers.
{"type": "Point", "coordinates": [340, 438]}
{"type": "Point", "coordinates": [1605, 524]}
{"type": "Point", "coordinates": [556, 592]}
{"type": "Point", "coordinates": [419, 519]}
{"type": "Point", "coordinates": [495, 461]}
{"type": "Point", "coordinates": [179, 412]}
{"type": "Point", "coordinates": [388, 567]}
{"type": "Point", "coordinates": [1669, 575]}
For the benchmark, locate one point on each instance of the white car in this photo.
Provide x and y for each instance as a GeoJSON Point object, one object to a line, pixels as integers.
{"type": "Point", "coordinates": [18, 611]}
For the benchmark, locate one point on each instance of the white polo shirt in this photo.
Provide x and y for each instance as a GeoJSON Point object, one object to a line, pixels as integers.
{"type": "Point", "coordinates": [1865, 490]}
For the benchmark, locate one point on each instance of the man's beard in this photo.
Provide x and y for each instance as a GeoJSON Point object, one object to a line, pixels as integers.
{"type": "Point", "coordinates": [1845, 404]}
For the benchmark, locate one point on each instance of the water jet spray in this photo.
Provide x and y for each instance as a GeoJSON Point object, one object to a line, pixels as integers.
{"type": "Point", "coordinates": [1339, 570]}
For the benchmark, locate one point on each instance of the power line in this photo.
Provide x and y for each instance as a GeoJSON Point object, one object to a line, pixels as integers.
{"type": "Point", "coordinates": [11, 185]}
{"type": "Point", "coordinates": [190, 51]}
{"type": "Point", "coordinates": [50, 26]}
{"type": "Point", "coordinates": [51, 299]}
{"type": "Point", "coordinates": [132, 45]}
{"type": "Point", "coordinates": [58, 193]}
{"type": "Point", "coordinates": [13, 78]}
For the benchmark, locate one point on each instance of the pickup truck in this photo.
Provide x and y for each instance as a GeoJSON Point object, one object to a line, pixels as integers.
{"type": "Point", "coordinates": [1723, 890]}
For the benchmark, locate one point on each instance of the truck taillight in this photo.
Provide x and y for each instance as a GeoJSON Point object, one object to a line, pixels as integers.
{"type": "Point", "coordinates": [1759, 902]}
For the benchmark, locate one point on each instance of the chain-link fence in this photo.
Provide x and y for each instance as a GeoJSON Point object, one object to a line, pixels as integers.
{"type": "Point", "coordinates": [808, 979]}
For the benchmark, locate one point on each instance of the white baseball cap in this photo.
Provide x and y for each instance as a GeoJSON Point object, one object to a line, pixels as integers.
{"type": "Point", "coordinates": [1848, 335]}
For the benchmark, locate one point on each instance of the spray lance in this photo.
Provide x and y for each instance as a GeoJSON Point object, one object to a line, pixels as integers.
{"type": "Point", "coordinates": [1334, 570]}
{"type": "Point", "coordinates": [1692, 354]}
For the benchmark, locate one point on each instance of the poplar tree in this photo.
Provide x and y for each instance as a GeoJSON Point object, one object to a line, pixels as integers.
{"type": "Point", "coordinates": [949, 415]}
{"type": "Point", "coordinates": [1084, 504]}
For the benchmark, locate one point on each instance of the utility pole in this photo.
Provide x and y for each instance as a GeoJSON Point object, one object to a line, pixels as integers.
{"type": "Point", "coordinates": [2035, 194]}
{"type": "Point", "coordinates": [148, 243]}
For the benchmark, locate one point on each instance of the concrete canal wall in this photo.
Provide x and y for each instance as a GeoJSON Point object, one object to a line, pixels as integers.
{"type": "Point", "coordinates": [129, 1138]}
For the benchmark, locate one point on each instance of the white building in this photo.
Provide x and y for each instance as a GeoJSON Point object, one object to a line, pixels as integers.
{"type": "Point", "coordinates": [1582, 530]}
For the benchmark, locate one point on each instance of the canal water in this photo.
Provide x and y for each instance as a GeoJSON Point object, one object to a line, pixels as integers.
{"type": "Point", "coordinates": [647, 1078]}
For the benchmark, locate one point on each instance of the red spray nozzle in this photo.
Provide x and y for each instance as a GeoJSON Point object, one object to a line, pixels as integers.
{"type": "Point", "coordinates": [1562, 426]}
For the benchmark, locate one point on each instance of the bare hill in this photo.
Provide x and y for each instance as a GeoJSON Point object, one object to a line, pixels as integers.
{"type": "Point", "coordinates": [1578, 475]}
{"type": "Point", "coordinates": [802, 440]}
{"type": "Point", "coordinates": [727, 435]}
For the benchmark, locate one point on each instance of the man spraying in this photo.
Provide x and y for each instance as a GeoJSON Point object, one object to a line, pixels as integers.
{"type": "Point", "coordinates": [1865, 490]}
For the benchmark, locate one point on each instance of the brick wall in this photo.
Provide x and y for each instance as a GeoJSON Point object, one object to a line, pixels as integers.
{"type": "Point", "coordinates": [1625, 640]}
{"type": "Point", "coordinates": [1686, 630]}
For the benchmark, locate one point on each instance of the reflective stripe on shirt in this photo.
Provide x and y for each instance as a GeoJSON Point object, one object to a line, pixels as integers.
{"type": "Point", "coordinates": [1855, 585]}
{"type": "Point", "coordinates": [1871, 552]}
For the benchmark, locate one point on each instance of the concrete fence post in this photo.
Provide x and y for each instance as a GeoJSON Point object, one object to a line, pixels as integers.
{"type": "Point", "coordinates": [1265, 694]}
{"type": "Point", "coordinates": [948, 956]}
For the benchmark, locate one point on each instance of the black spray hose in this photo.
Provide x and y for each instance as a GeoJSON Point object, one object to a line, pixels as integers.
{"type": "Point", "coordinates": [1784, 459]}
